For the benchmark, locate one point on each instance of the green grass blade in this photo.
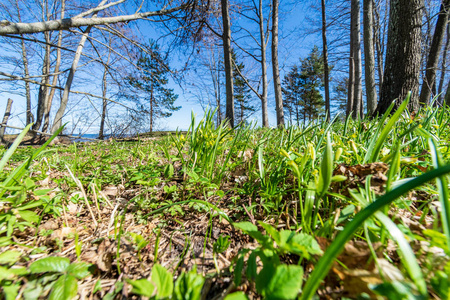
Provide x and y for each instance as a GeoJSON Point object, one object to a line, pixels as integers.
{"type": "Point", "coordinates": [13, 147]}
{"type": "Point", "coordinates": [377, 141]}
{"type": "Point", "coordinates": [326, 169]}
{"type": "Point", "coordinates": [442, 185]}
{"type": "Point", "coordinates": [325, 263]}
{"type": "Point", "coordinates": [407, 255]}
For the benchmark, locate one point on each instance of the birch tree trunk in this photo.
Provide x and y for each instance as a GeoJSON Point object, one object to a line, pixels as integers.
{"type": "Point", "coordinates": [369, 55]}
{"type": "Point", "coordinates": [356, 45]}
{"type": "Point", "coordinates": [57, 123]}
{"type": "Point", "coordinates": [402, 69]}
{"type": "Point", "coordinates": [433, 56]}
{"type": "Point", "coordinates": [263, 96]}
{"type": "Point", "coordinates": [275, 66]}
{"type": "Point", "coordinates": [226, 36]}
{"type": "Point", "coordinates": [326, 70]}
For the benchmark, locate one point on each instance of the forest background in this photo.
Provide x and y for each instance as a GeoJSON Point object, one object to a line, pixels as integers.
{"type": "Point", "coordinates": [126, 77]}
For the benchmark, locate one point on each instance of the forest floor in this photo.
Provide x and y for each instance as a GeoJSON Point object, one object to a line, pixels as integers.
{"type": "Point", "coordinates": [215, 213]}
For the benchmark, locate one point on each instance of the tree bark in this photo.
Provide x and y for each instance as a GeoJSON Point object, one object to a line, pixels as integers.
{"type": "Point", "coordinates": [402, 69]}
{"type": "Point", "coordinates": [263, 96]}
{"type": "Point", "coordinates": [433, 56]}
{"type": "Point", "coordinates": [275, 66]}
{"type": "Point", "coordinates": [444, 67]}
{"type": "Point", "coordinates": [326, 70]}
{"type": "Point", "coordinates": [55, 77]}
{"type": "Point", "coordinates": [357, 67]}
{"type": "Point", "coordinates": [447, 95]}
{"type": "Point", "coordinates": [379, 45]}
{"type": "Point", "coordinates": [351, 79]}
{"type": "Point", "coordinates": [57, 123]}
{"type": "Point", "coordinates": [226, 36]}
{"type": "Point", "coordinates": [5, 118]}
{"type": "Point", "coordinates": [29, 114]}
{"type": "Point", "coordinates": [369, 55]}
{"type": "Point", "coordinates": [43, 89]}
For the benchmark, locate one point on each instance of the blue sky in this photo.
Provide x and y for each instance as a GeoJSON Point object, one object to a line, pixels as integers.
{"type": "Point", "coordinates": [292, 46]}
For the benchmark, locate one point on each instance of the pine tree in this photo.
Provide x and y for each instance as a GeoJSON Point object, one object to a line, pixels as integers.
{"type": "Point", "coordinates": [302, 88]}
{"type": "Point", "coordinates": [152, 96]}
{"type": "Point", "coordinates": [292, 95]}
{"type": "Point", "coordinates": [243, 102]}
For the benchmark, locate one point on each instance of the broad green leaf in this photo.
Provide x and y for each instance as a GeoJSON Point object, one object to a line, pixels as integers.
{"type": "Point", "coordinates": [163, 281]}
{"type": "Point", "coordinates": [65, 288]}
{"type": "Point", "coordinates": [300, 244]}
{"type": "Point", "coordinates": [50, 264]}
{"type": "Point", "coordinates": [9, 257]}
{"type": "Point", "coordinates": [238, 270]}
{"type": "Point", "coordinates": [188, 286]}
{"type": "Point", "coordinates": [142, 287]}
{"type": "Point", "coordinates": [79, 269]}
{"type": "Point", "coordinates": [42, 192]}
{"type": "Point", "coordinates": [285, 283]}
{"type": "Point", "coordinates": [395, 291]}
{"type": "Point", "coordinates": [10, 291]}
{"type": "Point", "coordinates": [236, 296]}
{"type": "Point", "coordinates": [252, 231]}
{"type": "Point", "coordinates": [271, 231]}
{"type": "Point", "coordinates": [11, 273]}
{"type": "Point", "coordinates": [29, 216]}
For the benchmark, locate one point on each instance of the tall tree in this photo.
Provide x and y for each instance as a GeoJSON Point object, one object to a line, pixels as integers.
{"type": "Point", "coordinates": [444, 66]}
{"type": "Point", "coordinates": [153, 97]}
{"type": "Point", "coordinates": [242, 94]}
{"type": "Point", "coordinates": [401, 72]}
{"type": "Point", "coordinates": [275, 66]}
{"type": "Point", "coordinates": [429, 81]}
{"type": "Point", "coordinates": [292, 95]}
{"type": "Point", "coordinates": [226, 37]}
{"type": "Point", "coordinates": [357, 105]}
{"type": "Point", "coordinates": [369, 55]}
{"type": "Point", "coordinates": [326, 70]}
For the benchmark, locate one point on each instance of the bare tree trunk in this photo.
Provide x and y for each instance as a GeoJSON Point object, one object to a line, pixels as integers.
{"type": "Point", "coordinates": [444, 66]}
{"type": "Point", "coordinates": [5, 118]}
{"type": "Point", "coordinates": [275, 66]}
{"type": "Point", "coordinates": [379, 48]}
{"type": "Point", "coordinates": [351, 80]}
{"type": "Point", "coordinates": [57, 123]}
{"type": "Point", "coordinates": [265, 113]}
{"type": "Point", "coordinates": [326, 70]}
{"type": "Point", "coordinates": [369, 67]}
{"type": "Point", "coordinates": [151, 108]}
{"type": "Point", "coordinates": [43, 88]}
{"type": "Point", "coordinates": [433, 56]}
{"type": "Point", "coordinates": [402, 70]}
{"type": "Point", "coordinates": [226, 36]}
{"type": "Point", "coordinates": [29, 115]}
{"type": "Point", "coordinates": [55, 77]}
{"type": "Point", "coordinates": [447, 95]}
{"type": "Point", "coordinates": [104, 90]}
{"type": "Point", "coordinates": [357, 67]}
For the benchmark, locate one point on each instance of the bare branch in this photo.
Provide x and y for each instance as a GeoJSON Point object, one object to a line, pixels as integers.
{"type": "Point", "coordinates": [7, 27]}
